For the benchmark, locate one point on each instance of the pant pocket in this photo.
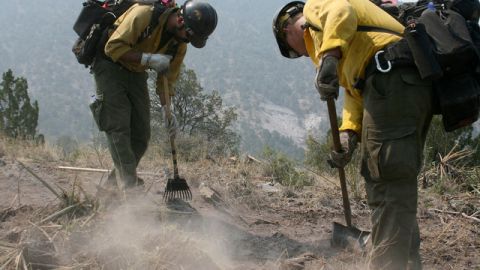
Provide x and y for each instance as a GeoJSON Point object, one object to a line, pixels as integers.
{"type": "Point", "coordinates": [393, 153]}
{"type": "Point", "coordinates": [96, 109]}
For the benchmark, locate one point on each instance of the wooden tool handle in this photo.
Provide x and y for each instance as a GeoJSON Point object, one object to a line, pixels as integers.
{"type": "Point", "coordinates": [168, 114]}
{"type": "Point", "coordinates": [332, 113]}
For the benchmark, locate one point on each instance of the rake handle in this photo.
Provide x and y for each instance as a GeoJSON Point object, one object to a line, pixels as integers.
{"type": "Point", "coordinates": [168, 114]}
{"type": "Point", "coordinates": [332, 113]}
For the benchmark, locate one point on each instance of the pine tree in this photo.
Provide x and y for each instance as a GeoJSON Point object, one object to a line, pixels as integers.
{"type": "Point", "coordinates": [18, 117]}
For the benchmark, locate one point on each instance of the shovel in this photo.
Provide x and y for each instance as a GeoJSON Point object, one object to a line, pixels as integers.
{"type": "Point", "coordinates": [342, 234]}
{"type": "Point", "coordinates": [177, 187]}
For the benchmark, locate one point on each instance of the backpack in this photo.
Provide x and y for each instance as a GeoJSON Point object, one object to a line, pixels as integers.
{"type": "Point", "coordinates": [444, 40]}
{"type": "Point", "coordinates": [96, 20]}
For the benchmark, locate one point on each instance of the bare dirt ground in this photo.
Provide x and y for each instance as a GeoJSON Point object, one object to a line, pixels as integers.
{"type": "Point", "coordinates": [236, 220]}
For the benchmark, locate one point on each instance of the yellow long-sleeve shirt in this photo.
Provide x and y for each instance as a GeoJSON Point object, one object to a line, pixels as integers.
{"type": "Point", "coordinates": [128, 29]}
{"type": "Point", "coordinates": [336, 22]}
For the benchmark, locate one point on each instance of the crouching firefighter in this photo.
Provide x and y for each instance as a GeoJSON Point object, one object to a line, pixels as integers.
{"type": "Point", "coordinates": [387, 107]}
{"type": "Point", "coordinates": [121, 78]}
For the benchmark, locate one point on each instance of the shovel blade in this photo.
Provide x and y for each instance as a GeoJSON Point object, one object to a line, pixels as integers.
{"type": "Point", "coordinates": [177, 188]}
{"type": "Point", "coordinates": [343, 235]}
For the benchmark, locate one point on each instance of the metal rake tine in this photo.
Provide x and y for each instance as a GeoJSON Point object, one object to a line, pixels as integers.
{"type": "Point", "coordinates": [168, 196]}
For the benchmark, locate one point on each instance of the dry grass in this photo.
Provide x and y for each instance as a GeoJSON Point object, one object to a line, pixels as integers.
{"type": "Point", "coordinates": [82, 231]}
{"type": "Point", "coordinates": [28, 150]}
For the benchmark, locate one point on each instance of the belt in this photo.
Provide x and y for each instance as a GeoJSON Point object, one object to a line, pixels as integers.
{"type": "Point", "coordinates": [394, 55]}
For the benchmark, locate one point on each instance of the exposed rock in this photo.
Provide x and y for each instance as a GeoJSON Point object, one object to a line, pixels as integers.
{"type": "Point", "coordinates": [270, 187]}
{"type": "Point", "coordinates": [297, 263]}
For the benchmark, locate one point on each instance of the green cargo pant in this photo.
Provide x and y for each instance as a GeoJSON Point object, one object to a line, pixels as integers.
{"type": "Point", "coordinates": [396, 117]}
{"type": "Point", "coordinates": [124, 116]}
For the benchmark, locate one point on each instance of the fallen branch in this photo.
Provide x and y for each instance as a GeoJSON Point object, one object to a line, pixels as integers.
{"type": "Point", "coordinates": [41, 180]}
{"type": "Point", "coordinates": [253, 159]}
{"type": "Point", "coordinates": [88, 219]}
{"type": "Point", "coordinates": [471, 217]}
{"type": "Point", "coordinates": [445, 211]}
{"type": "Point", "coordinates": [323, 177]}
{"type": "Point", "coordinates": [59, 213]}
{"type": "Point", "coordinates": [79, 169]}
{"type": "Point", "coordinates": [456, 213]}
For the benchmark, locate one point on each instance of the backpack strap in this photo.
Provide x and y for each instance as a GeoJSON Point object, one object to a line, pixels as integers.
{"type": "Point", "coordinates": [360, 28]}
{"type": "Point", "coordinates": [158, 10]}
{"type": "Point", "coordinates": [366, 28]}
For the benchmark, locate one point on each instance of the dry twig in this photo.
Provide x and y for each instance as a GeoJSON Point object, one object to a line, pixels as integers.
{"type": "Point", "coordinates": [41, 180]}
{"type": "Point", "coordinates": [472, 217]}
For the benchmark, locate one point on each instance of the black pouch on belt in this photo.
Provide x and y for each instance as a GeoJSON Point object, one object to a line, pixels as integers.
{"type": "Point", "coordinates": [423, 52]}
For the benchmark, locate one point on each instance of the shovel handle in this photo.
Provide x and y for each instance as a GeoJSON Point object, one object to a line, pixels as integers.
{"type": "Point", "coordinates": [168, 114]}
{"type": "Point", "coordinates": [332, 113]}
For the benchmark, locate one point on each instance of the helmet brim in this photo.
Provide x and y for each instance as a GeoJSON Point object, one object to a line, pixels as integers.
{"type": "Point", "coordinates": [285, 50]}
{"type": "Point", "coordinates": [198, 42]}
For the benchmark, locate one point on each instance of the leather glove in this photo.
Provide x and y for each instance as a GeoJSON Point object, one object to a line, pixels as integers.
{"type": "Point", "coordinates": [326, 80]}
{"type": "Point", "coordinates": [349, 141]}
{"type": "Point", "coordinates": [159, 62]}
{"type": "Point", "coordinates": [170, 125]}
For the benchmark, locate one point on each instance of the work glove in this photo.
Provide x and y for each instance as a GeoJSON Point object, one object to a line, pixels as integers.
{"type": "Point", "coordinates": [170, 125]}
{"type": "Point", "coordinates": [158, 62]}
{"type": "Point", "coordinates": [349, 141]}
{"type": "Point", "coordinates": [326, 80]}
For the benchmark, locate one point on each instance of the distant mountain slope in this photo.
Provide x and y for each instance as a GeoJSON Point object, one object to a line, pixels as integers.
{"type": "Point", "coordinates": [241, 61]}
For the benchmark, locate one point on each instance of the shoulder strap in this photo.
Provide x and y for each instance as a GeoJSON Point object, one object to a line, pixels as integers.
{"type": "Point", "coordinates": [360, 28]}
{"type": "Point", "coordinates": [365, 28]}
{"type": "Point", "coordinates": [158, 10]}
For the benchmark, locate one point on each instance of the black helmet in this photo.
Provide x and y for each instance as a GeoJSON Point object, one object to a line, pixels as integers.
{"type": "Point", "coordinates": [200, 19]}
{"type": "Point", "coordinates": [290, 10]}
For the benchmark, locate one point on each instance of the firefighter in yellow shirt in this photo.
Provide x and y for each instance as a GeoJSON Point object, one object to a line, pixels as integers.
{"type": "Point", "coordinates": [356, 45]}
{"type": "Point", "coordinates": [122, 81]}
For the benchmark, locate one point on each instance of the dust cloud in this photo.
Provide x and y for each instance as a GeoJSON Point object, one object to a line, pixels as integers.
{"type": "Point", "coordinates": [144, 234]}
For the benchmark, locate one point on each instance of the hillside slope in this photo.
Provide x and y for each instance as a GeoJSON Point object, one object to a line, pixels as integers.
{"type": "Point", "coordinates": [237, 220]}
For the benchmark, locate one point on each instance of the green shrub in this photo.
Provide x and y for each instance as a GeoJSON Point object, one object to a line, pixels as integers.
{"type": "Point", "coordinates": [283, 170]}
{"type": "Point", "coordinates": [316, 157]}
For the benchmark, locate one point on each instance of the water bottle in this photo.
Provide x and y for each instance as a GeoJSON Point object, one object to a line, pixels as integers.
{"type": "Point", "coordinates": [431, 6]}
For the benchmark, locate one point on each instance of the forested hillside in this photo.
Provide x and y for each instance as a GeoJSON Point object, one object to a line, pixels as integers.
{"type": "Point", "coordinates": [276, 100]}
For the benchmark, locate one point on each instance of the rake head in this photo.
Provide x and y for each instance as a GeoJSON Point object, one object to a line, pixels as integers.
{"type": "Point", "coordinates": [177, 188]}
